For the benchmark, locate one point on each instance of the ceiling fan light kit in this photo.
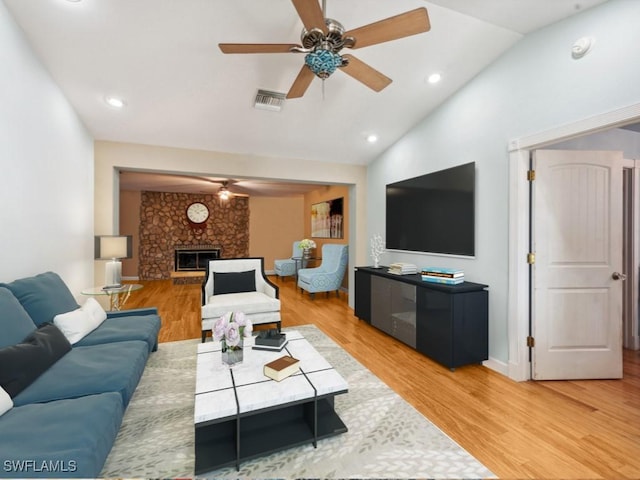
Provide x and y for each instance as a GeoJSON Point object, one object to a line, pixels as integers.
{"type": "Point", "coordinates": [323, 38]}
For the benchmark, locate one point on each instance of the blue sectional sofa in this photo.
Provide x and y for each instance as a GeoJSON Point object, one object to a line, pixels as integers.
{"type": "Point", "coordinates": [68, 400]}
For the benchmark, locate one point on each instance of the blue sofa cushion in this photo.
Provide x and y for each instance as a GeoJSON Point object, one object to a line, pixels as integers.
{"type": "Point", "coordinates": [63, 439]}
{"type": "Point", "coordinates": [23, 363]}
{"type": "Point", "coordinates": [122, 328]}
{"type": "Point", "coordinates": [234, 282]}
{"type": "Point", "coordinates": [43, 296]}
{"type": "Point", "coordinates": [111, 367]}
{"type": "Point", "coordinates": [15, 322]}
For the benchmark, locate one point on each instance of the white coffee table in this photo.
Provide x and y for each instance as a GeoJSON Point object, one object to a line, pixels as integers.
{"type": "Point", "coordinates": [241, 414]}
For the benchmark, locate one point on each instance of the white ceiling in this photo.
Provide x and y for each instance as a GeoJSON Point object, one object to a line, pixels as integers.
{"type": "Point", "coordinates": [162, 57]}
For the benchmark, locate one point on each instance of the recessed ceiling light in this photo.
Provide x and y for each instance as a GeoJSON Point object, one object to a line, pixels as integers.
{"type": "Point", "coordinates": [434, 78]}
{"type": "Point", "coordinates": [372, 138]}
{"type": "Point", "coordinates": [74, 1]}
{"type": "Point", "coordinates": [115, 102]}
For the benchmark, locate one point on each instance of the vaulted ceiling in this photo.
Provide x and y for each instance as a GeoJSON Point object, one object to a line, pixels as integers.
{"type": "Point", "coordinates": [180, 90]}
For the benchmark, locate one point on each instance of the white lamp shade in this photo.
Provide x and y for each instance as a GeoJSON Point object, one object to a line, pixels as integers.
{"type": "Point", "coordinates": [113, 246]}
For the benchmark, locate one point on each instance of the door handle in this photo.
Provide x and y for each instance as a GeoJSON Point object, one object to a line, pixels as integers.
{"type": "Point", "coordinates": [618, 276]}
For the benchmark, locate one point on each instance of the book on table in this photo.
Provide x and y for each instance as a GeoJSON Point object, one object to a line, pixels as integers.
{"type": "Point", "coordinates": [401, 268]}
{"type": "Point", "coordinates": [282, 368]}
{"type": "Point", "coordinates": [443, 280]}
{"type": "Point", "coordinates": [442, 272]}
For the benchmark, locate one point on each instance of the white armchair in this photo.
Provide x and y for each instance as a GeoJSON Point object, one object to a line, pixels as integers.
{"type": "Point", "coordinates": [239, 284]}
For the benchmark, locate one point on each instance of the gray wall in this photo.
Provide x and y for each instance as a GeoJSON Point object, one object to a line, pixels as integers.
{"type": "Point", "coordinates": [46, 171]}
{"type": "Point", "coordinates": [534, 87]}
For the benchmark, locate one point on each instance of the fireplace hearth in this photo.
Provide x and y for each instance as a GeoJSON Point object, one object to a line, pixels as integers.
{"type": "Point", "coordinates": [193, 258]}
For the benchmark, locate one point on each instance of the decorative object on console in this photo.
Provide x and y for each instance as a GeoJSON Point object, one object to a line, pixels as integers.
{"type": "Point", "coordinates": [113, 248]}
{"type": "Point", "coordinates": [377, 249]}
{"type": "Point", "coordinates": [400, 268]}
{"type": "Point", "coordinates": [230, 330]}
{"type": "Point", "coordinates": [282, 368]}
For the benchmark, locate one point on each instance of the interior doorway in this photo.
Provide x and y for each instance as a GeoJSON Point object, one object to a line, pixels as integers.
{"type": "Point", "coordinates": [519, 308]}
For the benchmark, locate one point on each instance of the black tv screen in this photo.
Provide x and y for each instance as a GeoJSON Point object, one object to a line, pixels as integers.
{"type": "Point", "coordinates": [433, 213]}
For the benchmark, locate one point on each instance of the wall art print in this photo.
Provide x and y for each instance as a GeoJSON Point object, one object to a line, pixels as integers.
{"type": "Point", "coordinates": [327, 219]}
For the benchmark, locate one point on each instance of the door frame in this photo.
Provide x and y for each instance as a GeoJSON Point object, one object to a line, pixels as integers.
{"type": "Point", "coordinates": [519, 365]}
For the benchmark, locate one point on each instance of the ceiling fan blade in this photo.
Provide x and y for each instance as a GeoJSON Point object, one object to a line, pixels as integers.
{"type": "Point", "coordinates": [257, 47]}
{"type": "Point", "coordinates": [392, 28]}
{"type": "Point", "coordinates": [362, 72]}
{"type": "Point", "coordinates": [301, 83]}
{"type": "Point", "coordinates": [311, 14]}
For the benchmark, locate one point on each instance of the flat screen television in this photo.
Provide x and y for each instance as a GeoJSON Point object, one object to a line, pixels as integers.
{"type": "Point", "coordinates": [433, 213]}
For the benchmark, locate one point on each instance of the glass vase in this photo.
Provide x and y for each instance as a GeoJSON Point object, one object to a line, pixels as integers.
{"type": "Point", "coordinates": [232, 355]}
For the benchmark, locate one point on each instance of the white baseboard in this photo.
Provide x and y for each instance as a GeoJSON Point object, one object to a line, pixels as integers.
{"type": "Point", "coordinates": [497, 366]}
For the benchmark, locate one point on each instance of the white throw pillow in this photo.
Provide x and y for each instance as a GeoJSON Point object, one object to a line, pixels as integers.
{"type": "Point", "coordinates": [93, 307]}
{"type": "Point", "coordinates": [6, 403]}
{"type": "Point", "coordinates": [77, 324]}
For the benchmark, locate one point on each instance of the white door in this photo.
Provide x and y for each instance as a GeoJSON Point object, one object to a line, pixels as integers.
{"type": "Point", "coordinates": [577, 240]}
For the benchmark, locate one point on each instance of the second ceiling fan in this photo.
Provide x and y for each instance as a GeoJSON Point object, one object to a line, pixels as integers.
{"type": "Point", "coordinates": [323, 38]}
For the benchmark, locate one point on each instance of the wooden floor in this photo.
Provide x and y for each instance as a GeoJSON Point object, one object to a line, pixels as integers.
{"type": "Point", "coordinates": [568, 429]}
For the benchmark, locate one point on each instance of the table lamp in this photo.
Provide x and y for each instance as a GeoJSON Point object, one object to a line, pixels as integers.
{"type": "Point", "coordinates": [113, 248]}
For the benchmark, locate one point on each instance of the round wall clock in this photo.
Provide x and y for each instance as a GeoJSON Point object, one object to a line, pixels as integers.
{"type": "Point", "coordinates": [197, 213]}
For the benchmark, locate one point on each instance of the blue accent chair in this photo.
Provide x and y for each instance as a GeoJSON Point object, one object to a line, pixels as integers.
{"type": "Point", "coordinates": [286, 267]}
{"type": "Point", "coordinates": [328, 276]}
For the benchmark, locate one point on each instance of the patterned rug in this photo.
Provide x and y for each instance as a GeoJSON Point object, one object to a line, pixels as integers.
{"type": "Point", "coordinates": [387, 437]}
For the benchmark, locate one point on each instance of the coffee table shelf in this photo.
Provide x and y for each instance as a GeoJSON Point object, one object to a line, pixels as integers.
{"type": "Point", "coordinates": [232, 439]}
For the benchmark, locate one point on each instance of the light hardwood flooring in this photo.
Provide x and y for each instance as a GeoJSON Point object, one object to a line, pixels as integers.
{"type": "Point", "coordinates": [559, 429]}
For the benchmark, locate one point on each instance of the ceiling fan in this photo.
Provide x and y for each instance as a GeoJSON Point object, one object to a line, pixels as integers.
{"type": "Point", "coordinates": [323, 38]}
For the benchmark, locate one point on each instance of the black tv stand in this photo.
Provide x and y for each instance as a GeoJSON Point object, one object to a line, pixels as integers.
{"type": "Point", "coordinates": [449, 324]}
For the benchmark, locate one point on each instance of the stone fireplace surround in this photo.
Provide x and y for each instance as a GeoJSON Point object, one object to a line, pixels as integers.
{"type": "Point", "coordinates": [164, 227]}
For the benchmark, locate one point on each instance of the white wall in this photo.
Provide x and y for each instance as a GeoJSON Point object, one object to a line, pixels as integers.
{"type": "Point", "coordinates": [534, 87]}
{"type": "Point", "coordinates": [615, 139]}
{"type": "Point", "coordinates": [46, 171]}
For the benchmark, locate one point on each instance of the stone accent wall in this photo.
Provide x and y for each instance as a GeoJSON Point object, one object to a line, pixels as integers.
{"type": "Point", "coordinates": [164, 225]}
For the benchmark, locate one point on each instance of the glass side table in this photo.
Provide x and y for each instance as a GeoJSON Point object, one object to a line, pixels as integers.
{"type": "Point", "coordinates": [117, 296]}
{"type": "Point", "coordinates": [304, 262]}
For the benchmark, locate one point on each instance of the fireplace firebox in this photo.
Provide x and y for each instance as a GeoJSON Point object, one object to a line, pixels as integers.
{"type": "Point", "coordinates": [192, 258]}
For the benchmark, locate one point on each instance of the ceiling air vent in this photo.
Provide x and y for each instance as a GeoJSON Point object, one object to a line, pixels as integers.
{"type": "Point", "coordinates": [266, 100]}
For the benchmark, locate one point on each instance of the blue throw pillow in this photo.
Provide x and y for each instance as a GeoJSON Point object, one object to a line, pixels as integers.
{"type": "Point", "coordinates": [234, 282]}
{"type": "Point", "coordinates": [43, 296]}
{"type": "Point", "coordinates": [22, 364]}
{"type": "Point", "coordinates": [15, 323]}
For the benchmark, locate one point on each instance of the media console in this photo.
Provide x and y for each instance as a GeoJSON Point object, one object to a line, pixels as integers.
{"type": "Point", "coordinates": [449, 324]}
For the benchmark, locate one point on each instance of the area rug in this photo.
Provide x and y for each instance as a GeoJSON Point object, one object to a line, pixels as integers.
{"type": "Point", "coordinates": [387, 437]}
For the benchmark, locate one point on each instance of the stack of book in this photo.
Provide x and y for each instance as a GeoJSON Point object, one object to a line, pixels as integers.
{"type": "Point", "coordinates": [403, 268]}
{"type": "Point", "coordinates": [446, 276]}
{"type": "Point", "coordinates": [270, 340]}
